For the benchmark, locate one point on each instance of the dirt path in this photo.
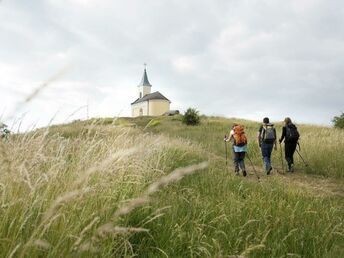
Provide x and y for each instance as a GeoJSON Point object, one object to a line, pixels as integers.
{"type": "Point", "coordinates": [311, 184]}
{"type": "Point", "coordinates": [314, 184]}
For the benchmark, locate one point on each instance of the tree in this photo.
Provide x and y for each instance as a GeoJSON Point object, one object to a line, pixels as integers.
{"type": "Point", "coordinates": [338, 121]}
{"type": "Point", "coordinates": [191, 117]}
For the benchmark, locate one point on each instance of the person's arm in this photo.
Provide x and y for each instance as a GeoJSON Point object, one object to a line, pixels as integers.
{"type": "Point", "coordinates": [229, 136]}
{"type": "Point", "coordinates": [283, 134]}
{"type": "Point", "coordinates": [258, 136]}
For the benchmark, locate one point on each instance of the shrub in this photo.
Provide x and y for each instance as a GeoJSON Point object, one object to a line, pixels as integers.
{"type": "Point", "coordinates": [191, 117]}
{"type": "Point", "coordinates": [338, 121]}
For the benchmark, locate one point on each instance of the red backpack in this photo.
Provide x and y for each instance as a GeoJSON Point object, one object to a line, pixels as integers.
{"type": "Point", "coordinates": [239, 135]}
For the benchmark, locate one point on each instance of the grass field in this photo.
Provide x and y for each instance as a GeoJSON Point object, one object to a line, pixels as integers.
{"type": "Point", "coordinates": [149, 187]}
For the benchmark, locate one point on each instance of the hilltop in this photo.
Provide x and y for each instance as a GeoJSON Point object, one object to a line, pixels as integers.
{"type": "Point", "coordinates": [153, 187]}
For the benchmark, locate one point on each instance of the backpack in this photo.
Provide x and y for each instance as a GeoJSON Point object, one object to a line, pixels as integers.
{"type": "Point", "coordinates": [292, 135]}
{"type": "Point", "coordinates": [268, 134]}
{"type": "Point", "coordinates": [239, 136]}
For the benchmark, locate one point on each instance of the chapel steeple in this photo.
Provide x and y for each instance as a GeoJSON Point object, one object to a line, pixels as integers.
{"type": "Point", "coordinates": [144, 86]}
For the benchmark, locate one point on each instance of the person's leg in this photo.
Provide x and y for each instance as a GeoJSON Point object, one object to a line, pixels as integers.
{"type": "Point", "coordinates": [236, 161]}
{"type": "Point", "coordinates": [288, 154]}
{"type": "Point", "coordinates": [269, 151]}
{"type": "Point", "coordinates": [292, 151]}
{"type": "Point", "coordinates": [266, 152]}
{"type": "Point", "coordinates": [266, 155]}
{"type": "Point", "coordinates": [242, 163]}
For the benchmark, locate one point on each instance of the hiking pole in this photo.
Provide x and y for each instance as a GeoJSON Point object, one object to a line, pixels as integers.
{"type": "Point", "coordinates": [254, 169]}
{"type": "Point", "coordinates": [225, 140]}
{"type": "Point", "coordinates": [282, 158]}
{"type": "Point", "coordinates": [302, 158]}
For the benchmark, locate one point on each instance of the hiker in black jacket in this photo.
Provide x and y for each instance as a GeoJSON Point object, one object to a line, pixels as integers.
{"type": "Point", "coordinates": [290, 135]}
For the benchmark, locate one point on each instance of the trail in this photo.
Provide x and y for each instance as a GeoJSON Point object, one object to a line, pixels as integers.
{"type": "Point", "coordinates": [309, 184]}
{"type": "Point", "coordinates": [313, 184]}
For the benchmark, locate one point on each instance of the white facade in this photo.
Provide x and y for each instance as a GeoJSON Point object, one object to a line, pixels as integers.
{"type": "Point", "coordinates": [140, 109]}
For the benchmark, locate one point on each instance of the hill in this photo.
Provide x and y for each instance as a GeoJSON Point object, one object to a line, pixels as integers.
{"type": "Point", "coordinates": [152, 187]}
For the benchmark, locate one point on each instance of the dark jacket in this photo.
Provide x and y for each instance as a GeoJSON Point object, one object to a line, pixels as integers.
{"type": "Point", "coordinates": [284, 133]}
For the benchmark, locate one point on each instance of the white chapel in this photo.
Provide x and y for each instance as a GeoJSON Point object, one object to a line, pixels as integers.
{"type": "Point", "coordinates": [147, 103]}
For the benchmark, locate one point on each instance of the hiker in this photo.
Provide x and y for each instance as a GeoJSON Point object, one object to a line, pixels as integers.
{"type": "Point", "coordinates": [267, 141]}
{"type": "Point", "coordinates": [291, 136]}
{"type": "Point", "coordinates": [239, 146]}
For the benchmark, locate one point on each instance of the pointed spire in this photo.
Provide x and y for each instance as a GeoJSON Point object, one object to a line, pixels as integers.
{"type": "Point", "coordinates": [144, 81]}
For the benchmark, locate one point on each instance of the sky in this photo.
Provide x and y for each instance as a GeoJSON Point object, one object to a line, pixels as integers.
{"type": "Point", "coordinates": [62, 60]}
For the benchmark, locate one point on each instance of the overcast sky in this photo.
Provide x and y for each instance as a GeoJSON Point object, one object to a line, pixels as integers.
{"type": "Point", "coordinates": [235, 58]}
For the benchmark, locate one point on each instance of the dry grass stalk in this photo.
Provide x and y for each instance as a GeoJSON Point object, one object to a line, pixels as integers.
{"type": "Point", "coordinates": [131, 205]}
{"type": "Point", "coordinates": [87, 228]}
{"type": "Point", "coordinates": [13, 252]}
{"type": "Point", "coordinates": [175, 176]}
{"type": "Point", "coordinates": [114, 230]}
{"type": "Point", "coordinates": [41, 243]}
{"type": "Point", "coordinates": [110, 160]}
{"type": "Point", "coordinates": [252, 248]}
{"type": "Point", "coordinates": [61, 200]}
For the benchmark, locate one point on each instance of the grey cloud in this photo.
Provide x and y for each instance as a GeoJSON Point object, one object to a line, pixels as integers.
{"type": "Point", "coordinates": [237, 58]}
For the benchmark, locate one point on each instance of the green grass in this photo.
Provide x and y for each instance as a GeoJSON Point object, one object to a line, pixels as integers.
{"type": "Point", "coordinates": [62, 190]}
{"type": "Point", "coordinates": [321, 147]}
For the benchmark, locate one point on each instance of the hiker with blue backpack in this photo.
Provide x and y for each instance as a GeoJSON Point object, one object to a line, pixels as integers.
{"type": "Point", "coordinates": [267, 141]}
{"type": "Point", "coordinates": [291, 136]}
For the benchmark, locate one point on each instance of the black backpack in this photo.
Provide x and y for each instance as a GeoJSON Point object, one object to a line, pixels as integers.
{"type": "Point", "coordinates": [292, 135]}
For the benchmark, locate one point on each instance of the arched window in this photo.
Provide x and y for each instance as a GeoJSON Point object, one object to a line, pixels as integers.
{"type": "Point", "coordinates": [140, 94]}
{"type": "Point", "coordinates": [141, 112]}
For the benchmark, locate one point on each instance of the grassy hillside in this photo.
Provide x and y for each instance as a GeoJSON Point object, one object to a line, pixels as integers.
{"type": "Point", "coordinates": [130, 187]}
{"type": "Point", "coordinates": [321, 147]}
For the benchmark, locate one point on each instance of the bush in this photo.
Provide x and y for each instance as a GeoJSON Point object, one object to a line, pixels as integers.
{"type": "Point", "coordinates": [338, 121]}
{"type": "Point", "coordinates": [191, 117]}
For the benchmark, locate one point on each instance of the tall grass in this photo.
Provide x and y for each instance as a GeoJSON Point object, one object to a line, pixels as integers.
{"type": "Point", "coordinates": [104, 188]}
{"type": "Point", "coordinates": [60, 187]}
{"type": "Point", "coordinates": [321, 147]}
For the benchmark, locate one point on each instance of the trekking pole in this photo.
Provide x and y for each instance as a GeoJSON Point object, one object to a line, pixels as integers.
{"type": "Point", "coordinates": [302, 158]}
{"type": "Point", "coordinates": [226, 148]}
{"type": "Point", "coordinates": [254, 169]}
{"type": "Point", "coordinates": [282, 158]}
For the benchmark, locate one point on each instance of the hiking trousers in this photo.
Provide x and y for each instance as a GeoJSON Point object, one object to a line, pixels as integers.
{"type": "Point", "coordinates": [289, 150]}
{"type": "Point", "coordinates": [239, 161]}
{"type": "Point", "coordinates": [266, 149]}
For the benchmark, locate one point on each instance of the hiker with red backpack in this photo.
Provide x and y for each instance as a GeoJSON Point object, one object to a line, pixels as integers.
{"type": "Point", "coordinates": [239, 142]}
{"type": "Point", "coordinates": [291, 136]}
{"type": "Point", "coordinates": [267, 141]}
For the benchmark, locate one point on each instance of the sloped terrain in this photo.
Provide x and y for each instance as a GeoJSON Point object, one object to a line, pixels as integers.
{"type": "Point", "coordinates": [152, 187]}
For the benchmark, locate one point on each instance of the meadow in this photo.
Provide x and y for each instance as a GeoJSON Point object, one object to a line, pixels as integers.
{"type": "Point", "coordinates": [153, 187]}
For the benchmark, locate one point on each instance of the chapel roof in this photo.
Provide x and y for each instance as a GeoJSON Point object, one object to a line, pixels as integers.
{"type": "Point", "coordinates": [144, 81]}
{"type": "Point", "coordinates": [153, 96]}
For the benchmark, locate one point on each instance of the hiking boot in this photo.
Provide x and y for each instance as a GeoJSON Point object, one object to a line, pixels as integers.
{"type": "Point", "coordinates": [290, 168]}
{"type": "Point", "coordinates": [269, 171]}
{"type": "Point", "coordinates": [244, 173]}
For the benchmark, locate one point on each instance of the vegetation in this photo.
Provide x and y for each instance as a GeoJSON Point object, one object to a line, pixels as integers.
{"type": "Point", "coordinates": [338, 121]}
{"type": "Point", "coordinates": [191, 117]}
{"type": "Point", "coordinates": [116, 188]}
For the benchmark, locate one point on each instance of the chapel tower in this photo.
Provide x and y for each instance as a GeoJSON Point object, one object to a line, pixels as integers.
{"type": "Point", "coordinates": [144, 87]}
